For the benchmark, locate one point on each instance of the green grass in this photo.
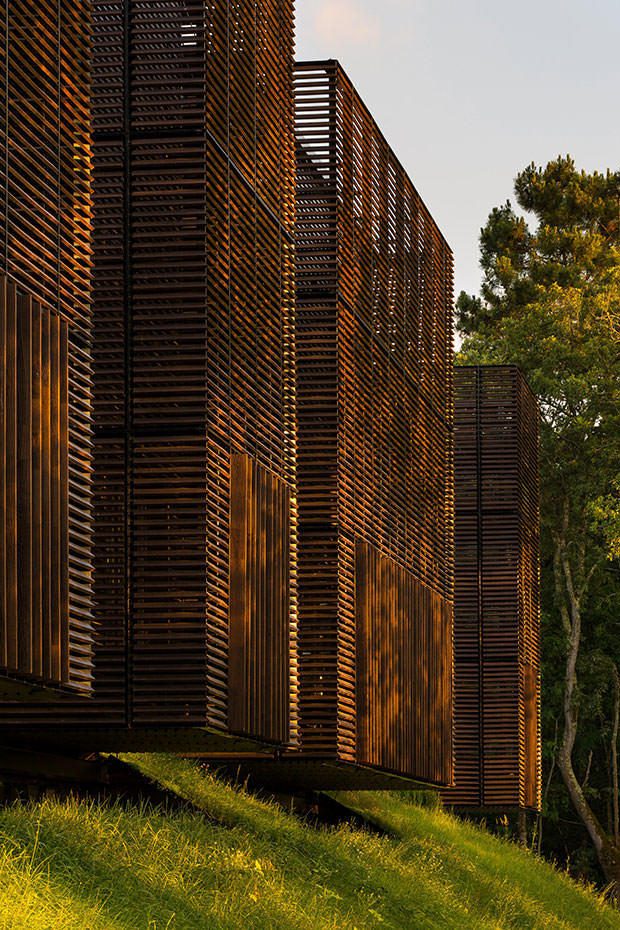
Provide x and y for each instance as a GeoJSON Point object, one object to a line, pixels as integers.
{"type": "Point", "coordinates": [245, 864]}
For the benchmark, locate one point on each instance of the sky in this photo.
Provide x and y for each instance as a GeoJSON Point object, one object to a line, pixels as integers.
{"type": "Point", "coordinates": [470, 93]}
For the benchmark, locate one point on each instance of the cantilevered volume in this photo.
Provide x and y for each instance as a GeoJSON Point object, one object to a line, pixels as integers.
{"type": "Point", "coordinates": [194, 189]}
{"type": "Point", "coordinates": [374, 342]}
{"type": "Point", "coordinates": [194, 383]}
{"type": "Point", "coordinates": [496, 607]}
{"type": "Point", "coordinates": [374, 362]}
{"type": "Point", "coordinates": [45, 343]}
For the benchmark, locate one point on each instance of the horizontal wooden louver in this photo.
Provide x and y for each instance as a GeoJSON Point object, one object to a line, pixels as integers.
{"type": "Point", "coordinates": [497, 677]}
{"type": "Point", "coordinates": [45, 252]}
{"type": "Point", "coordinates": [260, 632]}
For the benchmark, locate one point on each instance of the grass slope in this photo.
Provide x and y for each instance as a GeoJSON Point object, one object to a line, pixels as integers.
{"type": "Point", "coordinates": [248, 864]}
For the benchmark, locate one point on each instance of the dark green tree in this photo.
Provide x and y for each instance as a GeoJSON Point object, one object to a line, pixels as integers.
{"type": "Point", "coordinates": [550, 302]}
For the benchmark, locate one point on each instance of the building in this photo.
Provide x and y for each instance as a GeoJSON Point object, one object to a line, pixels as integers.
{"type": "Point", "coordinates": [46, 600]}
{"type": "Point", "coordinates": [374, 362]}
{"type": "Point", "coordinates": [227, 484]}
{"type": "Point", "coordinates": [496, 601]}
{"type": "Point", "coordinates": [194, 382]}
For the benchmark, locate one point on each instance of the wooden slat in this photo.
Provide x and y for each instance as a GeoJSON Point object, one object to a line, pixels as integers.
{"type": "Point", "coordinates": [4, 515]}
{"type": "Point", "coordinates": [10, 451]}
{"type": "Point", "coordinates": [56, 501]}
{"type": "Point", "coordinates": [47, 329]}
{"type": "Point", "coordinates": [24, 484]}
{"type": "Point", "coordinates": [36, 493]}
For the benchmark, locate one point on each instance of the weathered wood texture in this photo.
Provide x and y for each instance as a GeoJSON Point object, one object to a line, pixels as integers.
{"type": "Point", "coordinates": [496, 620]}
{"type": "Point", "coordinates": [45, 252]}
{"type": "Point", "coordinates": [193, 340]}
{"type": "Point", "coordinates": [374, 356]}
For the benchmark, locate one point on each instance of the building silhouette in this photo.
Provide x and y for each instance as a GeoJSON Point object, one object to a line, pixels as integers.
{"type": "Point", "coordinates": [227, 484]}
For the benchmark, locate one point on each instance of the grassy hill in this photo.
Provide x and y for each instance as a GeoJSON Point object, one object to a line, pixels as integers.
{"type": "Point", "coordinates": [242, 863]}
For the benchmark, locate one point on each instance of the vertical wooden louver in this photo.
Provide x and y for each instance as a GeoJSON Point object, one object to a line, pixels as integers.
{"type": "Point", "coordinates": [45, 219]}
{"type": "Point", "coordinates": [34, 596]}
{"type": "Point", "coordinates": [259, 602]}
{"type": "Point", "coordinates": [374, 358]}
{"type": "Point", "coordinates": [193, 345]}
{"type": "Point", "coordinates": [404, 646]}
{"type": "Point", "coordinates": [497, 680]}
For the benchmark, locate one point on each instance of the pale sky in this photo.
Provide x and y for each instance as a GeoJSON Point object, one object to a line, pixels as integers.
{"type": "Point", "coordinates": [469, 93]}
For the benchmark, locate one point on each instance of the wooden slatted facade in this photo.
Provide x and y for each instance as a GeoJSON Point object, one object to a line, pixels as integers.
{"type": "Point", "coordinates": [374, 350]}
{"type": "Point", "coordinates": [193, 370]}
{"type": "Point", "coordinates": [496, 620]}
{"type": "Point", "coordinates": [46, 630]}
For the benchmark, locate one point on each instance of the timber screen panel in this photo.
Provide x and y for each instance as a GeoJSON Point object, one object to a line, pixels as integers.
{"type": "Point", "coordinates": [193, 337]}
{"type": "Point", "coordinates": [34, 596]}
{"type": "Point", "coordinates": [374, 361]}
{"type": "Point", "coordinates": [45, 225]}
{"type": "Point", "coordinates": [259, 602]}
{"type": "Point", "coordinates": [404, 646]}
{"type": "Point", "coordinates": [496, 623]}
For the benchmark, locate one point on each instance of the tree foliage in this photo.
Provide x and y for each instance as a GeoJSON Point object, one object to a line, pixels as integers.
{"type": "Point", "coordinates": [550, 302]}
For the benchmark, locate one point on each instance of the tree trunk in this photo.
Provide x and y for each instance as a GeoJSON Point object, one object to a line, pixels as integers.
{"type": "Point", "coordinates": [607, 851]}
{"type": "Point", "coordinates": [608, 854]}
{"type": "Point", "coordinates": [614, 752]}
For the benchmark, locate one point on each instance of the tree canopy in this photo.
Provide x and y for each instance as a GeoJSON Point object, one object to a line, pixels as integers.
{"type": "Point", "coordinates": [550, 302]}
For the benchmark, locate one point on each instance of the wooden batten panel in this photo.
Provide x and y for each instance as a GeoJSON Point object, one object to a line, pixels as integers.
{"type": "Point", "coordinates": [404, 671]}
{"type": "Point", "coordinates": [35, 491]}
{"type": "Point", "coordinates": [260, 630]}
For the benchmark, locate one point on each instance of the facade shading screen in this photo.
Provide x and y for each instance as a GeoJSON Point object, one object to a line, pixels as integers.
{"type": "Point", "coordinates": [260, 555]}
{"type": "Point", "coordinates": [45, 259]}
{"type": "Point", "coordinates": [496, 619]}
{"type": "Point", "coordinates": [374, 346]}
{"type": "Point", "coordinates": [404, 646]}
{"type": "Point", "coordinates": [193, 356]}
